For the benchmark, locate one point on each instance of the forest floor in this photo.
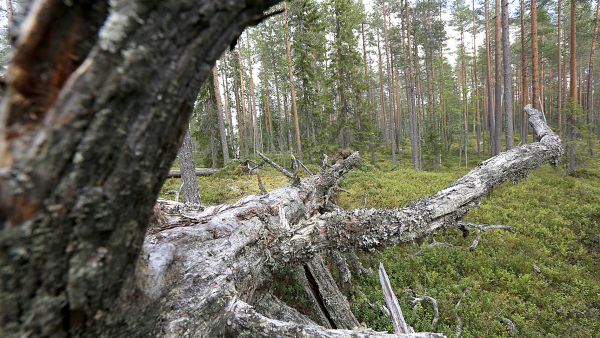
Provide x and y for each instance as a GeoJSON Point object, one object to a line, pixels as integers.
{"type": "Point", "coordinates": [544, 277]}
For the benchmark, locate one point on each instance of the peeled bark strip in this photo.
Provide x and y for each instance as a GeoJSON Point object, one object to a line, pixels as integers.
{"type": "Point", "coordinates": [336, 306]}
{"type": "Point", "coordinates": [200, 172]}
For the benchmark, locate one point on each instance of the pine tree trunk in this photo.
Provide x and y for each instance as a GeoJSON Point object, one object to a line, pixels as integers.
{"type": "Point", "coordinates": [242, 118]}
{"type": "Point", "coordinates": [476, 85]}
{"type": "Point", "coordinates": [590, 80]}
{"type": "Point", "coordinates": [220, 117]}
{"type": "Point", "coordinates": [535, 73]}
{"type": "Point", "coordinates": [464, 93]}
{"type": "Point", "coordinates": [488, 80]}
{"type": "Point", "coordinates": [292, 85]}
{"type": "Point", "coordinates": [415, 138]}
{"type": "Point", "coordinates": [228, 108]}
{"type": "Point", "coordinates": [573, 106]}
{"type": "Point", "coordinates": [189, 186]}
{"type": "Point", "coordinates": [524, 84]}
{"type": "Point", "coordinates": [498, 69]}
{"type": "Point", "coordinates": [560, 67]}
{"type": "Point", "coordinates": [508, 95]}
{"type": "Point", "coordinates": [382, 119]}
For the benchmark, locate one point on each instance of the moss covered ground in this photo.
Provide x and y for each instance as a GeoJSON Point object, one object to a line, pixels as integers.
{"type": "Point", "coordinates": [545, 276]}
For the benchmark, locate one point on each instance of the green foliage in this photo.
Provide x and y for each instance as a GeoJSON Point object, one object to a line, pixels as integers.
{"type": "Point", "coordinates": [557, 222]}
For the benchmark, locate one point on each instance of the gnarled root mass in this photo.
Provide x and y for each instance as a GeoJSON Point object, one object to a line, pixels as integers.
{"type": "Point", "coordinates": [201, 271]}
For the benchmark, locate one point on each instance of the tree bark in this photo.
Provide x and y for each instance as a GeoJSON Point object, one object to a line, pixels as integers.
{"type": "Point", "coordinates": [508, 95]}
{"type": "Point", "coordinates": [498, 83]}
{"type": "Point", "coordinates": [573, 106]}
{"type": "Point", "coordinates": [560, 69]}
{"type": "Point", "coordinates": [524, 87]}
{"type": "Point", "coordinates": [189, 187]}
{"type": "Point", "coordinates": [535, 63]}
{"type": "Point", "coordinates": [590, 81]}
{"type": "Point", "coordinates": [476, 84]}
{"type": "Point", "coordinates": [86, 142]}
{"type": "Point", "coordinates": [488, 81]}
{"type": "Point", "coordinates": [220, 117]}
{"type": "Point", "coordinates": [288, 49]}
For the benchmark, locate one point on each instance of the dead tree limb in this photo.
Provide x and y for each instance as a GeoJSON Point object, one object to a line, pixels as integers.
{"type": "Point", "coordinates": [200, 172]}
{"type": "Point", "coordinates": [391, 301]}
{"type": "Point", "coordinates": [434, 304]}
{"type": "Point", "coordinates": [230, 250]}
{"type": "Point", "coordinates": [512, 328]}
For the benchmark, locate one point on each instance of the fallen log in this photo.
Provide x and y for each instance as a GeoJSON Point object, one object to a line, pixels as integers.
{"type": "Point", "coordinates": [199, 270]}
{"type": "Point", "coordinates": [200, 172]}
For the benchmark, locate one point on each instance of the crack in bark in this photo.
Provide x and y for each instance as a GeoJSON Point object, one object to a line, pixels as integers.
{"type": "Point", "coordinates": [314, 288]}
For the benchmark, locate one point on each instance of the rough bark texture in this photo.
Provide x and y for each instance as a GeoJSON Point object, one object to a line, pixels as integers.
{"type": "Point", "coordinates": [86, 142]}
{"type": "Point", "coordinates": [189, 186]}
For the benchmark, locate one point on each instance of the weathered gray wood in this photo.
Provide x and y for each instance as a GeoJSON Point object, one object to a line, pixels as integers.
{"type": "Point", "coordinates": [199, 172]}
{"type": "Point", "coordinates": [229, 251]}
{"type": "Point", "coordinates": [391, 301]}
{"type": "Point", "coordinates": [273, 307]}
{"type": "Point", "coordinates": [336, 305]}
{"type": "Point", "coordinates": [246, 322]}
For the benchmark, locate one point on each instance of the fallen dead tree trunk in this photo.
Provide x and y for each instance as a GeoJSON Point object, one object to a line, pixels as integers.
{"type": "Point", "coordinates": [200, 172]}
{"type": "Point", "coordinates": [201, 271]}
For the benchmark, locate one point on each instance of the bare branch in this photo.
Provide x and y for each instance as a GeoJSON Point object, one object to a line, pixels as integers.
{"type": "Point", "coordinates": [200, 172]}
{"type": "Point", "coordinates": [368, 228]}
{"type": "Point", "coordinates": [459, 321]}
{"type": "Point", "coordinates": [400, 325]}
{"type": "Point", "coordinates": [512, 328]}
{"type": "Point", "coordinates": [305, 168]}
{"type": "Point", "coordinates": [436, 315]}
{"type": "Point", "coordinates": [260, 184]}
{"type": "Point", "coordinates": [325, 163]}
{"type": "Point", "coordinates": [276, 166]}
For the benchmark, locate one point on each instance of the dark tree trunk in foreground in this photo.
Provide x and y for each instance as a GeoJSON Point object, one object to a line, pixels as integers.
{"type": "Point", "coordinates": [85, 145]}
{"type": "Point", "coordinates": [86, 142]}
